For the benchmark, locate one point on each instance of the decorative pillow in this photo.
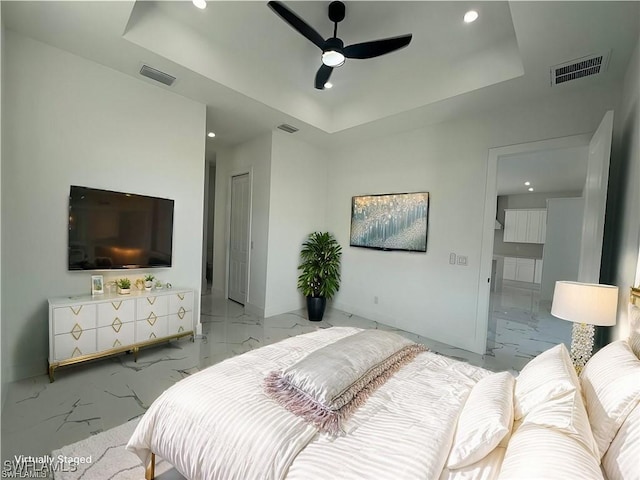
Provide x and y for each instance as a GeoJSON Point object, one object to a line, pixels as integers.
{"type": "Point", "coordinates": [634, 329]}
{"type": "Point", "coordinates": [565, 414]}
{"type": "Point", "coordinates": [486, 418]}
{"type": "Point", "coordinates": [326, 386]}
{"type": "Point", "coordinates": [621, 462]}
{"type": "Point", "coordinates": [536, 453]}
{"type": "Point", "coordinates": [549, 375]}
{"type": "Point", "coordinates": [611, 388]}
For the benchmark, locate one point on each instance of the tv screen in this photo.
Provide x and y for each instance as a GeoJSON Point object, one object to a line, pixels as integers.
{"type": "Point", "coordinates": [396, 221]}
{"type": "Point", "coordinates": [114, 230]}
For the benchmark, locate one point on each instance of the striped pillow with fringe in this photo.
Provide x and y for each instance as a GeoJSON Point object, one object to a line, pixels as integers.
{"type": "Point", "coordinates": [330, 383]}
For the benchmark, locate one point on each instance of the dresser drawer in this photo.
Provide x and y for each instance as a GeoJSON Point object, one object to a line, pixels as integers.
{"type": "Point", "coordinates": [151, 329]}
{"type": "Point", "coordinates": [117, 310]}
{"type": "Point", "coordinates": [65, 319]}
{"type": "Point", "coordinates": [180, 322]}
{"type": "Point", "coordinates": [114, 336]}
{"type": "Point", "coordinates": [149, 307]}
{"type": "Point", "coordinates": [76, 344]}
{"type": "Point", "coordinates": [182, 300]}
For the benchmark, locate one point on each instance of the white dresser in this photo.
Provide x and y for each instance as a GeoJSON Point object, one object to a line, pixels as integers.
{"type": "Point", "coordinates": [85, 327]}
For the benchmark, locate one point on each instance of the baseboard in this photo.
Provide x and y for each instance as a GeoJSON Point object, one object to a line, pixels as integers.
{"type": "Point", "coordinates": [292, 307]}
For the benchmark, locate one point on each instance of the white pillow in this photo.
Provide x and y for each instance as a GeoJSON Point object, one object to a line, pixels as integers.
{"type": "Point", "coordinates": [622, 460]}
{"type": "Point", "coordinates": [565, 414]}
{"type": "Point", "coordinates": [611, 388]}
{"type": "Point", "coordinates": [549, 375]}
{"type": "Point", "coordinates": [536, 453]}
{"type": "Point", "coordinates": [486, 418]}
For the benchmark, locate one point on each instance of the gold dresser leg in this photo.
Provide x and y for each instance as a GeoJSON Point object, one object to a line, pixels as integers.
{"type": "Point", "coordinates": [51, 370]}
{"type": "Point", "coordinates": [150, 472]}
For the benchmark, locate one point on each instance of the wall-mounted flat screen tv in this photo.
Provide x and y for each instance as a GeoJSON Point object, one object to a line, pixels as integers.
{"type": "Point", "coordinates": [114, 230]}
{"type": "Point", "coordinates": [396, 221]}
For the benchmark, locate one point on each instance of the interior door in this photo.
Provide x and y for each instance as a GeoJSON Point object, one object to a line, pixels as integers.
{"type": "Point", "coordinates": [595, 201]}
{"type": "Point", "coordinates": [239, 239]}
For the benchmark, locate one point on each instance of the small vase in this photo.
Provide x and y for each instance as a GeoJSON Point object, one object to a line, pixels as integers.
{"type": "Point", "coordinates": [148, 286]}
{"type": "Point", "coordinates": [124, 291]}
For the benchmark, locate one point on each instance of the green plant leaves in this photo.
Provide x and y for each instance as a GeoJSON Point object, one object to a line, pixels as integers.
{"type": "Point", "coordinates": [320, 265]}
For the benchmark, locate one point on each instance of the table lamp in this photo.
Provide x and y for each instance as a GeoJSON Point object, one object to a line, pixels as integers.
{"type": "Point", "coordinates": [586, 305]}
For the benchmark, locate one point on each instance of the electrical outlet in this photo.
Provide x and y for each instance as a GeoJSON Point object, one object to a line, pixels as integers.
{"type": "Point", "coordinates": [462, 260]}
{"type": "Point", "coordinates": [452, 258]}
{"type": "Point", "coordinates": [375, 299]}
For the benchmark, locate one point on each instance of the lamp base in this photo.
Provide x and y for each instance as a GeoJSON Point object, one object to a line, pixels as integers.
{"type": "Point", "coordinates": [581, 345]}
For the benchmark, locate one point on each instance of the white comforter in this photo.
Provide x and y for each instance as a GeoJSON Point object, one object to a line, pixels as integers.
{"type": "Point", "coordinates": [219, 424]}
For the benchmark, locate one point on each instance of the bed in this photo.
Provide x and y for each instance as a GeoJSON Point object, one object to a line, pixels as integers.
{"type": "Point", "coordinates": [431, 418]}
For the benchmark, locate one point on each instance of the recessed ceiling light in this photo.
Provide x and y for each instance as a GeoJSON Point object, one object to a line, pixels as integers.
{"type": "Point", "coordinates": [470, 16]}
{"type": "Point", "coordinates": [328, 85]}
{"type": "Point", "coordinates": [531, 189]}
{"type": "Point", "coordinates": [211, 134]}
{"type": "Point", "coordinates": [527, 183]}
{"type": "Point", "coordinates": [201, 4]}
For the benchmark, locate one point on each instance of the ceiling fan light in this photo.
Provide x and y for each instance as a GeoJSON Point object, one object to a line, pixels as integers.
{"type": "Point", "coordinates": [328, 85]}
{"type": "Point", "coordinates": [332, 58]}
{"type": "Point", "coordinates": [201, 4]}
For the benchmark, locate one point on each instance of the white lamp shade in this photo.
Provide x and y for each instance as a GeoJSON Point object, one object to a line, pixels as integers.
{"type": "Point", "coordinates": [588, 303]}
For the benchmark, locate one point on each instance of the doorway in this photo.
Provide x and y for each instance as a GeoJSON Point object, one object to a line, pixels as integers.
{"type": "Point", "coordinates": [518, 303]}
{"type": "Point", "coordinates": [239, 226]}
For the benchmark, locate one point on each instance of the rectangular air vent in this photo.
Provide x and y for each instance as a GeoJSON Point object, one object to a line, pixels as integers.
{"type": "Point", "coordinates": [157, 75]}
{"type": "Point", "coordinates": [288, 128]}
{"type": "Point", "coordinates": [579, 68]}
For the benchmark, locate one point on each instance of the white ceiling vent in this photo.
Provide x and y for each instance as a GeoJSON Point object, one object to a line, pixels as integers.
{"type": "Point", "coordinates": [287, 128]}
{"type": "Point", "coordinates": [580, 67]}
{"type": "Point", "coordinates": [157, 75]}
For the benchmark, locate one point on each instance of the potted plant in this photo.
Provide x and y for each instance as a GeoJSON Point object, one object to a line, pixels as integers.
{"type": "Point", "coordinates": [124, 286]}
{"type": "Point", "coordinates": [320, 266]}
{"type": "Point", "coordinates": [159, 285]}
{"type": "Point", "coordinates": [148, 282]}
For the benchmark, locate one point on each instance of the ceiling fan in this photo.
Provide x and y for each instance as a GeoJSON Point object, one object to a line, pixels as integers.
{"type": "Point", "coordinates": [334, 52]}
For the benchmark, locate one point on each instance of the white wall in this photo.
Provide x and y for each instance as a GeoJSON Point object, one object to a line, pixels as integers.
{"type": "Point", "coordinates": [77, 122]}
{"type": "Point", "coordinates": [422, 293]}
{"type": "Point", "coordinates": [254, 157]}
{"type": "Point", "coordinates": [624, 183]}
{"type": "Point", "coordinates": [3, 350]}
{"type": "Point", "coordinates": [296, 208]}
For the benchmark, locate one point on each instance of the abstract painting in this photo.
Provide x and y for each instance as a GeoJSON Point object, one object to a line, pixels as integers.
{"type": "Point", "coordinates": [396, 221]}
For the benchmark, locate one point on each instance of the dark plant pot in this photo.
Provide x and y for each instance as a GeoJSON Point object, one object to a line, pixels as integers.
{"type": "Point", "coordinates": [315, 308]}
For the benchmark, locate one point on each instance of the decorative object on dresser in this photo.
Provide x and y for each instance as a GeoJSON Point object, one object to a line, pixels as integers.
{"type": "Point", "coordinates": [586, 305]}
{"type": "Point", "coordinates": [148, 282]}
{"type": "Point", "coordinates": [320, 277]}
{"type": "Point", "coordinates": [124, 286]}
{"type": "Point", "coordinates": [97, 285]}
{"type": "Point", "coordinates": [83, 328]}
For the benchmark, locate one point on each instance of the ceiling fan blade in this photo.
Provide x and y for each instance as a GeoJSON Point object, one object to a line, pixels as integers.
{"type": "Point", "coordinates": [297, 23]}
{"type": "Point", "coordinates": [376, 48]}
{"type": "Point", "coordinates": [322, 77]}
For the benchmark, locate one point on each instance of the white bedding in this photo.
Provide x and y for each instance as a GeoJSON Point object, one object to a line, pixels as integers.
{"type": "Point", "coordinates": [219, 423]}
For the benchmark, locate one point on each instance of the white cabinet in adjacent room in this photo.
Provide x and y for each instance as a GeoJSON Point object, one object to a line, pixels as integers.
{"type": "Point", "coordinates": [525, 225]}
{"type": "Point", "coordinates": [521, 269]}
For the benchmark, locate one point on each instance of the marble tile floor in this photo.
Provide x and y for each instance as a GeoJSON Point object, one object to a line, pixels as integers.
{"type": "Point", "coordinates": [39, 416]}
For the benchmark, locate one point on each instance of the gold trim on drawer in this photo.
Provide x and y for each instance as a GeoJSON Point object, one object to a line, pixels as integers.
{"type": "Point", "coordinates": [74, 310]}
{"type": "Point", "coordinates": [181, 329]}
{"type": "Point", "coordinates": [181, 313]}
{"type": "Point", "coordinates": [117, 307]}
{"type": "Point", "coordinates": [181, 296]}
{"type": "Point", "coordinates": [151, 300]}
{"type": "Point", "coordinates": [76, 351]}
{"type": "Point", "coordinates": [153, 335]}
{"type": "Point", "coordinates": [116, 325]}
{"type": "Point", "coordinates": [116, 343]}
{"type": "Point", "coordinates": [76, 331]}
{"type": "Point", "coordinates": [152, 318]}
